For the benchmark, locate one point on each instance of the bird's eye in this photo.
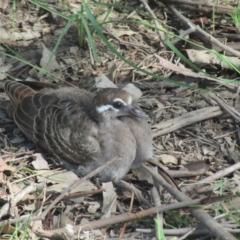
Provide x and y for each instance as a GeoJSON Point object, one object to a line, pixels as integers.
{"type": "Point", "coordinates": [118, 104]}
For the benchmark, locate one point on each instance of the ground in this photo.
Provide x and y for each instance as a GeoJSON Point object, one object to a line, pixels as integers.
{"type": "Point", "coordinates": [188, 86]}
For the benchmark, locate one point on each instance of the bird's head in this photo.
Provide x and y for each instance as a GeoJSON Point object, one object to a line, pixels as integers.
{"type": "Point", "coordinates": [117, 103]}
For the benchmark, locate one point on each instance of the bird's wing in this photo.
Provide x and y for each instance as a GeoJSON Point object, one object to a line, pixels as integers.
{"type": "Point", "coordinates": [64, 129]}
{"type": "Point", "coordinates": [59, 126]}
{"type": "Point", "coordinates": [17, 91]}
{"type": "Point", "coordinates": [25, 103]}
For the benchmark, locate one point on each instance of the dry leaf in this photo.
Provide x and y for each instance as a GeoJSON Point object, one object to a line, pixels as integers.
{"type": "Point", "coordinates": [58, 179]}
{"type": "Point", "coordinates": [44, 62]}
{"type": "Point", "coordinates": [103, 82]}
{"type": "Point", "coordinates": [4, 4]}
{"type": "Point", "coordinates": [64, 220]}
{"type": "Point", "coordinates": [40, 163]}
{"type": "Point", "coordinates": [7, 229]}
{"type": "Point", "coordinates": [166, 159]}
{"type": "Point", "coordinates": [109, 200]}
{"type": "Point", "coordinates": [5, 167]}
{"type": "Point", "coordinates": [134, 91]}
{"type": "Point", "coordinates": [93, 207]}
{"type": "Point", "coordinates": [142, 174]}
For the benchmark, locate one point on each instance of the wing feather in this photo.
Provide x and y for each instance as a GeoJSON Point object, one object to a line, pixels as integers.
{"type": "Point", "coordinates": [55, 121]}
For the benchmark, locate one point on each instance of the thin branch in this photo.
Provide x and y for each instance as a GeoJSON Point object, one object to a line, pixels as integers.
{"type": "Point", "coordinates": [206, 220]}
{"type": "Point", "coordinates": [202, 33]}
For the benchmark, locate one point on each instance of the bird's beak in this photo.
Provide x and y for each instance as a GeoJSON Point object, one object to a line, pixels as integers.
{"type": "Point", "coordinates": [130, 110]}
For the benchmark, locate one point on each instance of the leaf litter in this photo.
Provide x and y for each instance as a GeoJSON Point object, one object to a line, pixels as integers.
{"type": "Point", "coordinates": [208, 146]}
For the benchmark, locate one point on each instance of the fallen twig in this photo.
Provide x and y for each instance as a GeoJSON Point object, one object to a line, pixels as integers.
{"type": "Point", "coordinates": [187, 72]}
{"type": "Point", "coordinates": [233, 112]}
{"type": "Point", "coordinates": [202, 33]}
{"type": "Point", "coordinates": [160, 33]}
{"type": "Point", "coordinates": [19, 196]}
{"type": "Point", "coordinates": [185, 120]}
{"type": "Point", "coordinates": [73, 185]}
{"type": "Point", "coordinates": [214, 177]}
{"type": "Point", "coordinates": [206, 220]}
{"type": "Point", "coordinates": [120, 218]}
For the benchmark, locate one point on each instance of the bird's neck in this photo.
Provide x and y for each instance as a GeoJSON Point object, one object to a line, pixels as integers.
{"type": "Point", "coordinates": [94, 114]}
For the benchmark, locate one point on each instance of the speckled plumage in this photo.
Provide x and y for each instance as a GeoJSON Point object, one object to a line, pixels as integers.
{"type": "Point", "coordinates": [65, 123]}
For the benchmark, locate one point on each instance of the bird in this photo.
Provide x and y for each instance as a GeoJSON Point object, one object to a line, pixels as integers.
{"type": "Point", "coordinates": [83, 130]}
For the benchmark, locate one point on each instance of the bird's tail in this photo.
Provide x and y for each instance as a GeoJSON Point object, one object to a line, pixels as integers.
{"type": "Point", "coordinates": [17, 91]}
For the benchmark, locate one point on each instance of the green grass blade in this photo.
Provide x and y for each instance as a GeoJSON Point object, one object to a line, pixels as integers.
{"type": "Point", "coordinates": [98, 30]}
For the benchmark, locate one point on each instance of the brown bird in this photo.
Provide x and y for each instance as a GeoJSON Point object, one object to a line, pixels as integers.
{"type": "Point", "coordinates": [82, 129]}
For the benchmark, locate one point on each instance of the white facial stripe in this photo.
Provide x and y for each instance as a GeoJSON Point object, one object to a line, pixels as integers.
{"type": "Point", "coordinates": [104, 108]}
{"type": "Point", "coordinates": [119, 100]}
